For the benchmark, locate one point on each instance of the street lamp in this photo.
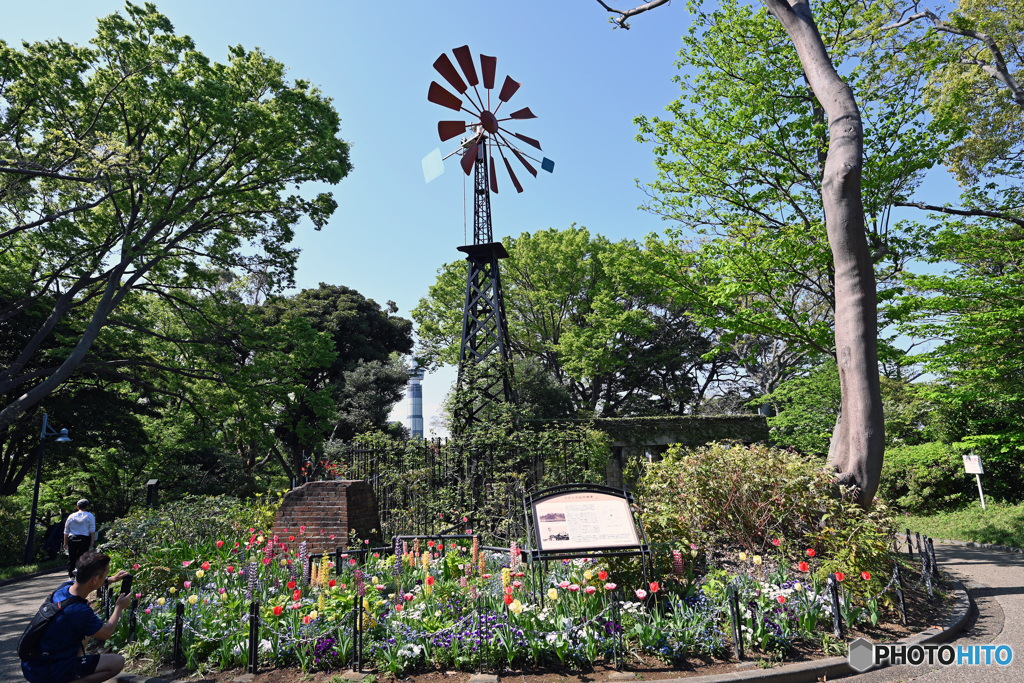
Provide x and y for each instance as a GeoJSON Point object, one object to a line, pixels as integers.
{"type": "Point", "coordinates": [62, 437]}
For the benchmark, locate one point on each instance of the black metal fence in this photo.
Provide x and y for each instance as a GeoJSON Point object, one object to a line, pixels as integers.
{"type": "Point", "coordinates": [439, 485]}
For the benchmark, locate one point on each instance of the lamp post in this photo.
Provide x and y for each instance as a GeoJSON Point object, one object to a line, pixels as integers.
{"type": "Point", "coordinates": [62, 437]}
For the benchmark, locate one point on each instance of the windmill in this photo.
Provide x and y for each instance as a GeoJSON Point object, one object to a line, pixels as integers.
{"type": "Point", "coordinates": [484, 326]}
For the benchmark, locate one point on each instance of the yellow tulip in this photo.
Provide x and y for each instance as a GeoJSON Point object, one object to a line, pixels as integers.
{"type": "Point", "coordinates": [588, 575]}
{"type": "Point", "coordinates": [160, 601]}
{"type": "Point", "coordinates": [757, 559]}
{"type": "Point", "coordinates": [516, 607]}
{"type": "Point", "coordinates": [193, 599]}
{"type": "Point", "coordinates": [797, 587]}
{"type": "Point", "coordinates": [314, 614]}
{"type": "Point", "coordinates": [552, 594]}
{"type": "Point", "coordinates": [223, 597]}
{"type": "Point", "coordinates": [173, 589]}
{"type": "Point", "coordinates": [259, 539]}
{"type": "Point", "coordinates": [200, 573]}
{"type": "Point", "coordinates": [743, 557]}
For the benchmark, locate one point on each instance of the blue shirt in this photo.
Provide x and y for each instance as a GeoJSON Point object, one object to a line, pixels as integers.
{"type": "Point", "coordinates": [63, 637]}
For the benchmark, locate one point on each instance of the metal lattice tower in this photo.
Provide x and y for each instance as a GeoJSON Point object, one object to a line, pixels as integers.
{"type": "Point", "coordinates": [484, 370]}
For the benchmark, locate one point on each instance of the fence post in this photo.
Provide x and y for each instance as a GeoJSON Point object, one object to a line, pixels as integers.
{"type": "Point", "coordinates": [837, 616]}
{"type": "Point", "coordinates": [734, 617]}
{"type": "Point", "coordinates": [900, 602]}
{"type": "Point", "coordinates": [920, 552]}
{"type": "Point", "coordinates": [926, 573]}
{"type": "Point", "coordinates": [177, 657]}
{"type": "Point", "coordinates": [910, 545]}
{"type": "Point", "coordinates": [931, 559]}
{"type": "Point", "coordinates": [254, 637]}
{"type": "Point", "coordinates": [133, 617]}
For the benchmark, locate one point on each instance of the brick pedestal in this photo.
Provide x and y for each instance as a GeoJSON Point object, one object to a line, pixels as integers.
{"type": "Point", "coordinates": [328, 508]}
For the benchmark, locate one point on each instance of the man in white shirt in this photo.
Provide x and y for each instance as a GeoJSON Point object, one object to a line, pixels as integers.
{"type": "Point", "coordinates": [79, 534]}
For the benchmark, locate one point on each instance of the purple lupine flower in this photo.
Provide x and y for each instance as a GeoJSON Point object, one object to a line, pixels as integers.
{"type": "Point", "coordinates": [304, 561]}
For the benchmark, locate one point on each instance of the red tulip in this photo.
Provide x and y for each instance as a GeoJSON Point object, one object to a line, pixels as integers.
{"type": "Point", "coordinates": [297, 595]}
{"type": "Point", "coordinates": [840, 576]}
{"type": "Point", "coordinates": [509, 599]}
{"type": "Point", "coordinates": [654, 586]}
{"type": "Point", "coordinates": [332, 583]}
{"type": "Point", "coordinates": [205, 566]}
{"type": "Point", "coordinates": [306, 619]}
{"type": "Point", "coordinates": [220, 544]}
{"type": "Point", "coordinates": [804, 566]}
{"type": "Point", "coordinates": [602, 575]}
{"type": "Point", "coordinates": [810, 552]}
{"type": "Point", "coordinates": [866, 576]}
{"type": "Point", "coordinates": [266, 561]}
{"type": "Point", "coordinates": [229, 569]}
{"type": "Point", "coordinates": [277, 611]}
{"type": "Point", "coordinates": [776, 542]}
{"type": "Point", "coordinates": [781, 599]}
{"type": "Point", "coordinates": [291, 538]}
{"type": "Point", "coordinates": [398, 608]}
{"type": "Point", "coordinates": [291, 585]}
{"type": "Point", "coordinates": [430, 580]}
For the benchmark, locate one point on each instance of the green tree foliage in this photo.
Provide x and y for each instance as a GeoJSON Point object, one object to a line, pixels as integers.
{"type": "Point", "coordinates": [134, 165]}
{"type": "Point", "coordinates": [353, 392]}
{"type": "Point", "coordinates": [740, 163]}
{"type": "Point", "coordinates": [581, 306]}
{"type": "Point", "coordinates": [977, 311]}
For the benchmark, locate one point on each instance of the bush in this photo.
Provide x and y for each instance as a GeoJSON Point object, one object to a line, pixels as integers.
{"type": "Point", "coordinates": [724, 496]}
{"type": "Point", "coordinates": [925, 478]}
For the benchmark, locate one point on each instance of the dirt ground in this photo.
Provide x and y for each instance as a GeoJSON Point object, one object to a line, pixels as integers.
{"type": "Point", "coordinates": [921, 614]}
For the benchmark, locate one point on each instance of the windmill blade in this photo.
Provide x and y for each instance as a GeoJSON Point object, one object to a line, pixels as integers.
{"type": "Point", "coordinates": [469, 156]}
{"type": "Point", "coordinates": [488, 65]}
{"type": "Point", "coordinates": [508, 167]}
{"type": "Point", "coordinates": [523, 113]}
{"type": "Point", "coordinates": [527, 140]}
{"type": "Point", "coordinates": [494, 177]}
{"type": "Point", "coordinates": [444, 66]}
{"type": "Point", "coordinates": [465, 60]}
{"type": "Point", "coordinates": [524, 162]}
{"type": "Point", "coordinates": [439, 95]}
{"type": "Point", "coordinates": [449, 129]}
{"type": "Point", "coordinates": [508, 89]}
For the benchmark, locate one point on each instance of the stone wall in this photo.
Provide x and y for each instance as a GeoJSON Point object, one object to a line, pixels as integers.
{"type": "Point", "coordinates": [327, 508]}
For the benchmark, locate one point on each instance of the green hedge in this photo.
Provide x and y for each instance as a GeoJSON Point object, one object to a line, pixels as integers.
{"type": "Point", "coordinates": [925, 478]}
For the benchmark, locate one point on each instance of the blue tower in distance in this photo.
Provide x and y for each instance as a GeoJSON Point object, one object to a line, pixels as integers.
{"type": "Point", "coordinates": [414, 390]}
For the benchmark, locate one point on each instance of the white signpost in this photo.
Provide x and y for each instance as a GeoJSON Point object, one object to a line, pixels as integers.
{"type": "Point", "coordinates": [972, 464]}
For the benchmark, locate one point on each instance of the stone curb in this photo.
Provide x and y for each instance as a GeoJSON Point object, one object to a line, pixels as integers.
{"type": "Point", "coordinates": [837, 667]}
{"type": "Point", "coordinates": [23, 577]}
{"type": "Point", "coordinates": [982, 546]}
{"type": "Point", "coordinates": [804, 672]}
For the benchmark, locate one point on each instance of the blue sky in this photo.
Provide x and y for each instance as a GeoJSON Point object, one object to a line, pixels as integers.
{"type": "Point", "coordinates": [392, 231]}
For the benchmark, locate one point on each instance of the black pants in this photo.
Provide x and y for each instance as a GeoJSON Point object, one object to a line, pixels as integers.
{"type": "Point", "coordinates": [77, 545]}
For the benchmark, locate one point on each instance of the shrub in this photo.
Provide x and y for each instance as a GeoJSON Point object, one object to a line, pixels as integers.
{"type": "Point", "coordinates": [724, 495]}
{"type": "Point", "coordinates": [732, 495]}
{"type": "Point", "coordinates": [924, 478]}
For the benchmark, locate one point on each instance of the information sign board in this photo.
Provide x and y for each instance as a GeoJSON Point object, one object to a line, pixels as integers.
{"type": "Point", "coordinates": [972, 463]}
{"type": "Point", "coordinates": [583, 520]}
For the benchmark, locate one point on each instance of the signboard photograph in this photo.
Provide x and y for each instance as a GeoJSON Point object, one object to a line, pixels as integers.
{"type": "Point", "coordinates": [579, 520]}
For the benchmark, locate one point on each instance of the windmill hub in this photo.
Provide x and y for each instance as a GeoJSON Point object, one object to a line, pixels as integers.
{"type": "Point", "coordinates": [489, 121]}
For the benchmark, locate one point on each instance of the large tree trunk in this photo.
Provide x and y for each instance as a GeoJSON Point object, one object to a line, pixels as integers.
{"type": "Point", "coordinates": [859, 443]}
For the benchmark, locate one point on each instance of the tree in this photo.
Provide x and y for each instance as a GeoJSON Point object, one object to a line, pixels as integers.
{"type": "Point", "coordinates": [354, 391]}
{"type": "Point", "coordinates": [580, 306]}
{"type": "Point", "coordinates": [859, 441]}
{"type": "Point", "coordinates": [134, 165]}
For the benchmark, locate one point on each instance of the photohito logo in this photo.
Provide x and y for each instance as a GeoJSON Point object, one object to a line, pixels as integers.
{"type": "Point", "coordinates": [865, 655]}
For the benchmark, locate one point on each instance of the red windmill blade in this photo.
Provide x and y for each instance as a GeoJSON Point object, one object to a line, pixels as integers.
{"type": "Point", "coordinates": [487, 129]}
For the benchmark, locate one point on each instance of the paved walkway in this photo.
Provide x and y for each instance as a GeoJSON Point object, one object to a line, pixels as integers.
{"type": "Point", "coordinates": [18, 602]}
{"type": "Point", "coordinates": [994, 579]}
{"type": "Point", "coordinates": [995, 582]}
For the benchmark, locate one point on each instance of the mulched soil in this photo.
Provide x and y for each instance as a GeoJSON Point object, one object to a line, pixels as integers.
{"type": "Point", "coordinates": [921, 614]}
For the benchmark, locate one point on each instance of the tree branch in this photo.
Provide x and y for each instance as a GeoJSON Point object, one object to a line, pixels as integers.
{"type": "Point", "coordinates": [626, 14]}
{"type": "Point", "coordinates": [963, 212]}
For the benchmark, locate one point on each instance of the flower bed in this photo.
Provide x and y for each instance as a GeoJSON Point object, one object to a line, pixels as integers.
{"type": "Point", "coordinates": [452, 604]}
